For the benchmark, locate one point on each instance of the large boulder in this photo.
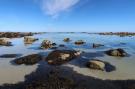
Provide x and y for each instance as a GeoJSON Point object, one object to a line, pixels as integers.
{"type": "Point", "coordinates": [28, 60]}
{"type": "Point", "coordinates": [5, 42]}
{"type": "Point", "coordinates": [100, 65]}
{"type": "Point", "coordinates": [116, 52]}
{"type": "Point", "coordinates": [29, 39]}
{"type": "Point", "coordinates": [46, 44]}
{"type": "Point", "coordinates": [97, 45]}
{"type": "Point", "coordinates": [61, 56]}
{"type": "Point", "coordinates": [79, 42]}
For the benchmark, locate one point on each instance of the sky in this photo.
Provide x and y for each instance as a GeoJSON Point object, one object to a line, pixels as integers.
{"type": "Point", "coordinates": [67, 15]}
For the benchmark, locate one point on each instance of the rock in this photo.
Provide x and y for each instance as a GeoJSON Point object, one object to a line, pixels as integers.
{"type": "Point", "coordinates": [54, 44]}
{"type": "Point", "coordinates": [5, 42]}
{"type": "Point", "coordinates": [29, 40]}
{"type": "Point", "coordinates": [15, 34]}
{"type": "Point", "coordinates": [79, 42]}
{"type": "Point", "coordinates": [61, 56]}
{"type": "Point", "coordinates": [96, 64]}
{"type": "Point", "coordinates": [61, 45]}
{"type": "Point", "coordinates": [100, 65]}
{"type": "Point", "coordinates": [46, 44]}
{"type": "Point", "coordinates": [66, 40]}
{"type": "Point", "coordinates": [116, 52]}
{"type": "Point", "coordinates": [28, 60]}
{"type": "Point", "coordinates": [9, 55]}
{"type": "Point", "coordinates": [54, 47]}
{"type": "Point", "coordinates": [97, 45]}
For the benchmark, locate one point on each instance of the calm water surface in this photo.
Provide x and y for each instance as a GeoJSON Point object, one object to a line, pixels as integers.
{"type": "Point", "coordinates": [125, 67]}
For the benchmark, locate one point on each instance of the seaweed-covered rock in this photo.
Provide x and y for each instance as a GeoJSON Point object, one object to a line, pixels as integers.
{"type": "Point", "coordinates": [66, 40]}
{"type": "Point", "coordinates": [96, 45]}
{"type": "Point", "coordinates": [46, 44]}
{"type": "Point", "coordinates": [5, 42]}
{"type": "Point", "coordinates": [100, 65]}
{"type": "Point", "coordinates": [28, 60]}
{"type": "Point", "coordinates": [61, 56]}
{"type": "Point", "coordinates": [116, 52]}
{"type": "Point", "coordinates": [79, 42]}
{"type": "Point", "coordinates": [29, 40]}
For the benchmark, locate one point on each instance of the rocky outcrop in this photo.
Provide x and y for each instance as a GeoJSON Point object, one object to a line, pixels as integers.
{"type": "Point", "coordinates": [66, 40]}
{"type": "Point", "coordinates": [61, 56]}
{"type": "Point", "coordinates": [46, 44]}
{"type": "Point", "coordinates": [29, 40]}
{"type": "Point", "coordinates": [28, 60]}
{"type": "Point", "coordinates": [116, 52]}
{"type": "Point", "coordinates": [100, 65]}
{"type": "Point", "coordinates": [5, 42]}
{"type": "Point", "coordinates": [97, 45]}
{"type": "Point", "coordinates": [79, 42]}
{"type": "Point", "coordinates": [15, 34]}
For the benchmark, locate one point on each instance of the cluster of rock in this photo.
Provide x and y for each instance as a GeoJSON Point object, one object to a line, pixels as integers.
{"type": "Point", "coordinates": [29, 39]}
{"type": "Point", "coordinates": [100, 65]}
{"type": "Point", "coordinates": [79, 42]}
{"type": "Point", "coordinates": [28, 60]}
{"type": "Point", "coordinates": [5, 42]}
{"type": "Point", "coordinates": [116, 52]}
{"type": "Point", "coordinates": [58, 57]}
{"type": "Point", "coordinates": [15, 34]}
{"type": "Point", "coordinates": [118, 33]}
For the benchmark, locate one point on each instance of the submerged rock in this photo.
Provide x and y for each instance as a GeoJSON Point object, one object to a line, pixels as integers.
{"type": "Point", "coordinates": [116, 52]}
{"type": "Point", "coordinates": [66, 40]}
{"type": "Point", "coordinates": [29, 40]}
{"type": "Point", "coordinates": [28, 60]}
{"type": "Point", "coordinates": [9, 55]}
{"type": "Point", "coordinates": [61, 45]}
{"type": "Point", "coordinates": [46, 44]}
{"type": "Point", "coordinates": [54, 44]}
{"type": "Point", "coordinates": [79, 42]}
{"type": "Point", "coordinates": [61, 56]}
{"type": "Point", "coordinates": [100, 65]}
{"type": "Point", "coordinates": [96, 45]}
{"type": "Point", "coordinates": [5, 42]}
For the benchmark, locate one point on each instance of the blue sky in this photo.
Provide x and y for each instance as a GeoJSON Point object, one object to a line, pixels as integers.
{"type": "Point", "coordinates": [67, 15]}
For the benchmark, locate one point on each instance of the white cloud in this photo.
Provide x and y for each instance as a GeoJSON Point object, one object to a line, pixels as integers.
{"type": "Point", "coordinates": [56, 7]}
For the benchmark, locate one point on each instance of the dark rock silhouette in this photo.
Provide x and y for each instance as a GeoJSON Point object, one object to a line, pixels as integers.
{"type": "Point", "coordinates": [28, 60]}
